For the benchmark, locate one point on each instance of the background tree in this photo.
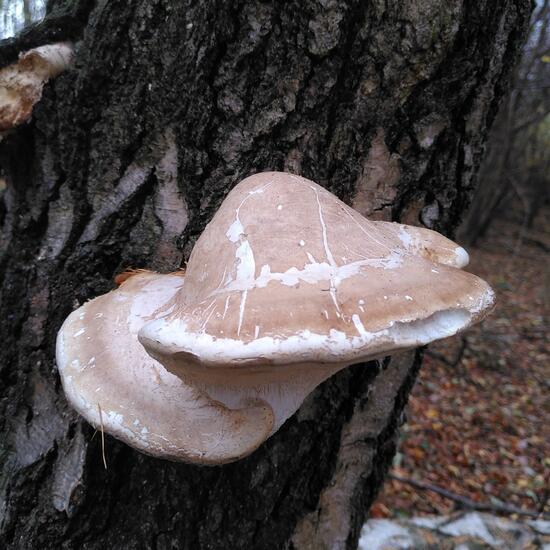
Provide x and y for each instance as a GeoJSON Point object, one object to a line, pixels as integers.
{"type": "Point", "coordinates": [517, 163]}
{"type": "Point", "coordinates": [128, 156]}
{"type": "Point", "coordinates": [15, 14]}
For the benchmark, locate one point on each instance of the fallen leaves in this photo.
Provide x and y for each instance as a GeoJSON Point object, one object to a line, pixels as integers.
{"type": "Point", "coordinates": [479, 415]}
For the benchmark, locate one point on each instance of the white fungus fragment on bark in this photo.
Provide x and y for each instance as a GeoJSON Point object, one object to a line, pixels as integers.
{"type": "Point", "coordinates": [21, 83]}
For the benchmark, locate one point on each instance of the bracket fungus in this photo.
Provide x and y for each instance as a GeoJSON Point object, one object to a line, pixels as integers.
{"type": "Point", "coordinates": [21, 83]}
{"type": "Point", "coordinates": [286, 286]}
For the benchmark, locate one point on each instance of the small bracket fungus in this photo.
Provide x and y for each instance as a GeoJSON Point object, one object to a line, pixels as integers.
{"type": "Point", "coordinates": [21, 83]}
{"type": "Point", "coordinates": [286, 286]}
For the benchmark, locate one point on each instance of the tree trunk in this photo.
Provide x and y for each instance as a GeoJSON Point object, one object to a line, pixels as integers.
{"type": "Point", "coordinates": [128, 156]}
{"type": "Point", "coordinates": [494, 177]}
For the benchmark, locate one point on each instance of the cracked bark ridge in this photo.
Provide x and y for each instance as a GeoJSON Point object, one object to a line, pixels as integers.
{"type": "Point", "coordinates": [167, 106]}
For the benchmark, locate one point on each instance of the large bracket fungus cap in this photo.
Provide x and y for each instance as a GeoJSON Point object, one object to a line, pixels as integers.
{"type": "Point", "coordinates": [286, 286]}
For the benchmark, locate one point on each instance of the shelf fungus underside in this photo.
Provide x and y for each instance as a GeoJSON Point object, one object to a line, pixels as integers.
{"type": "Point", "coordinates": [286, 286]}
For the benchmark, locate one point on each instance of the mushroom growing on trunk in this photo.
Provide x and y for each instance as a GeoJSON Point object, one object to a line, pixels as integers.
{"type": "Point", "coordinates": [286, 286]}
{"type": "Point", "coordinates": [21, 83]}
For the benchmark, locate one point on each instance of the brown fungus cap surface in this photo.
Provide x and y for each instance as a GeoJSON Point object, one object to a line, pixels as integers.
{"type": "Point", "coordinates": [286, 273]}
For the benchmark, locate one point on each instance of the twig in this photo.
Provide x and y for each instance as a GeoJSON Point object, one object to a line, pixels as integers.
{"type": "Point", "coordinates": [456, 363]}
{"type": "Point", "coordinates": [450, 363]}
{"type": "Point", "coordinates": [102, 437]}
{"type": "Point", "coordinates": [467, 502]}
{"type": "Point", "coordinates": [536, 242]}
{"type": "Point", "coordinates": [543, 500]}
{"type": "Point", "coordinates": [438, 357]}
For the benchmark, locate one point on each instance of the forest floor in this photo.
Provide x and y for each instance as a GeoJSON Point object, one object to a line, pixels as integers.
{"type": "Point", "coordinates": [478, 420]}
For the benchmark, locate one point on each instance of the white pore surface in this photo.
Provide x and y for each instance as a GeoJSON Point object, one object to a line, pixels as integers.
{"type": "Point", "coordinates": [324, 355]}
{"type": "Point", "coordinates": [284, 397]}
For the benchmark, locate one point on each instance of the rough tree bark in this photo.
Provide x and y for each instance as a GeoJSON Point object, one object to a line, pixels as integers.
{"type": "Point", "coordinates": [129, 154]}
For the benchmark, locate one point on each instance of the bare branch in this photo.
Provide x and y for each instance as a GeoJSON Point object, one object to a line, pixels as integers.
{"type": "Point", "coordinates": [468, 503]}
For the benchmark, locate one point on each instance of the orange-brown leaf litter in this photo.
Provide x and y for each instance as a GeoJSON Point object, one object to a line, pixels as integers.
{"type": "Point", "coordinates": [478, 420]}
